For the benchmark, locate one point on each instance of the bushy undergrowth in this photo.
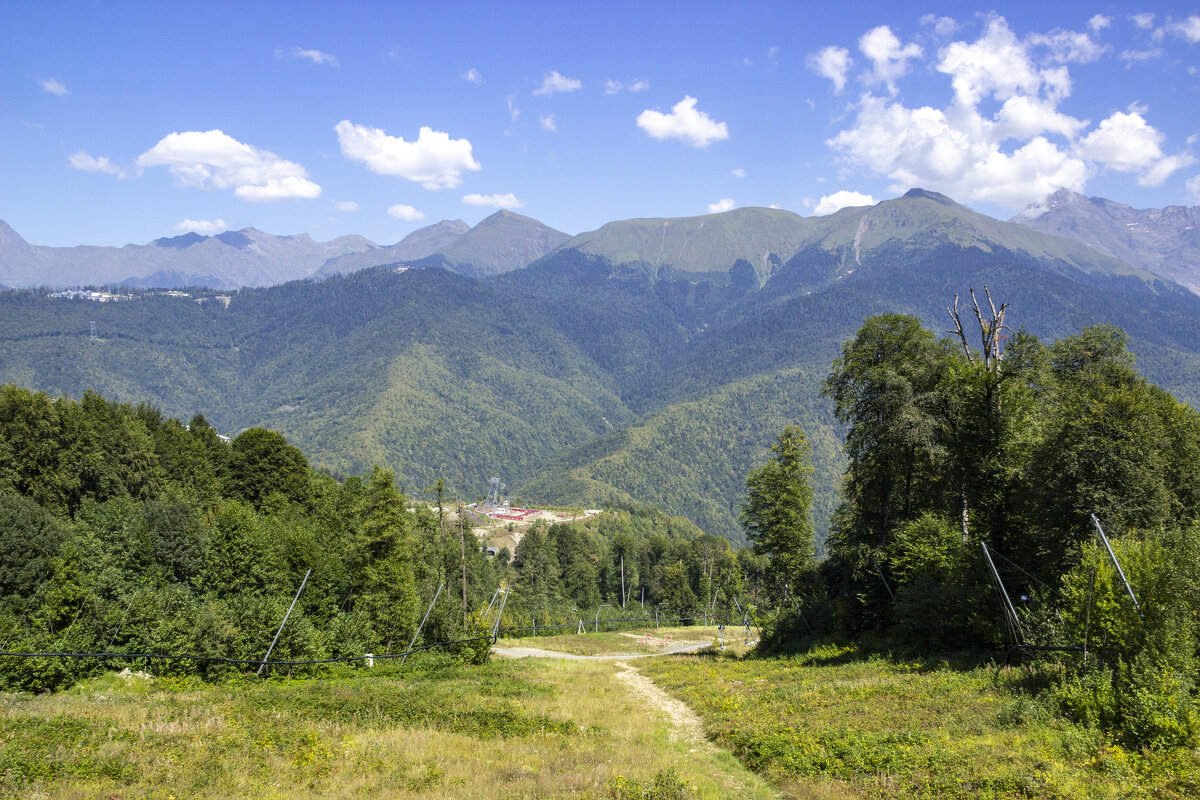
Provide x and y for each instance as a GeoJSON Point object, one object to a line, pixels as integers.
{"type": "Point", "coordinates": [1138, 677]}
{"type": "Point", "coordinates": [665, 785]}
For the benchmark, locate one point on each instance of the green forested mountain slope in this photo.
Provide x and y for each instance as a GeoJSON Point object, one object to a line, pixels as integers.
{"type": "Point", "coordinates": [693, 456]}
{"type": "Point", "coordinates": [584, 377]}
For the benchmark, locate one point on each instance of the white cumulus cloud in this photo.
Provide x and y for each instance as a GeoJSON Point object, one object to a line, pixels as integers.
{"type": "Point", "coordinates": [1069, 46]}
{"type": "Point", "coordinates": [315, 56]}
{"type": "Point", "coordinates": [498, 200]}
{"type": "Point", "coordinates": [832, 63]}
{"type": "Point", "coordinates": [1189, 28]}
{"type": "Point", "coordinates": [685, 123]}
{"type": "Point", "coordinates": [406, 213]}
{"type": "Point", "coordinates": [839, 200]}
{"type": "Point", "coordinates": [547, 122]}
{"type": "Point", "coordinates": [1003, 137]}
{"type": "Point", "coordinates": [738, 173]}
{"type": "Point", "coordinates": [889, 58]}
{"type": "Point", "coordinates": [1193, 186]}
{"type": "Point", "coordinates": [204, 226]}
{"type": "Point", "coordinates": [346, 205]}
{"type": "Point", "coordinates": [942, 26]}
{"type": "Point", "coordinates": [53, 86]}
{"type": "Point", "coordinates": [555, 82]}
{"type": "Point", "coordinates": [87, 163]}
{"type": "Point", "coordinates": [434, 160]}
{"type": "Point", "coordinates": [724, 204]}
{"type": "Point", "coordinates": [214, 160]}
{"type": "Point", "coordinates": [472, 75]}
{"type": "Point", "coordinates": [636, 85]}
{"type": "Point", "coordinates": [1125, 142]}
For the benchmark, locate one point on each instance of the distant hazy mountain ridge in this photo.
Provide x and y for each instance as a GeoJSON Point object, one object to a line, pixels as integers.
{"type": "Point", "coordinates": [228, 260]}
{"type": "Point", "coordinates": [1163, 240]}
{"type": "Point", "coordinates": [504, 241]}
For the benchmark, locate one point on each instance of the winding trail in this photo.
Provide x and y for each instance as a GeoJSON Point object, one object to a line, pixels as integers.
{"type": "Point", "coordinates": [685, 724]}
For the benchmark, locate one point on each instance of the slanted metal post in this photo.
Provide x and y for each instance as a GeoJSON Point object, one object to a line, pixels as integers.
{"type": "Point", "coordinates": [488, 613]}
{"type": "Point", "coordinates": [602, 605]}
{"type": "Point", "coordinates": [1116, 564]}
{"type": "Point", "coordinates": [421, 627]}
{"type": "Point", "coordinates": [499, 614]}
{"type": "Point", "coordinates": [267, 657]}
{"type": "Point", "coordinates": [1009, 611]}
{"type": "Point", "coordinates": [885, 583]}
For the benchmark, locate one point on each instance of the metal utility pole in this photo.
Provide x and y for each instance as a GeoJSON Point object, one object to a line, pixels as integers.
{"type": "Point", "coordinates": [267, 657]}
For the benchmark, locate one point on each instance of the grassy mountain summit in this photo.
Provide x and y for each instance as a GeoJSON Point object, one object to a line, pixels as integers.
{"type": "Point", "coordinates": [500, 243]}
{"type": "Point", "coordinates": [711, 243]}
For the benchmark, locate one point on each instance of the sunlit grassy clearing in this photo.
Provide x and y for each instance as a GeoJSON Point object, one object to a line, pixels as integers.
{"type": "Point", "coordinates": [529, 728]}
{"type": "Point", "coordinates": [619, 642]}
{"type": "Point", "coordinates": [884, 728]}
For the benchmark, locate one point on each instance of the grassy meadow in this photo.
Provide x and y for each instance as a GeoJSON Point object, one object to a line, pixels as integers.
{"type": "Point", "coordinates": [832, 723]}
{"type": "Point", "coordinates": [835, 724]}
{"type": "Point", "coordinates": [528, 728]}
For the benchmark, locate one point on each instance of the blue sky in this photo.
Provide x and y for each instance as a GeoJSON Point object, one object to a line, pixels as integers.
{"type": "Point", "coordinates": [123, 122]}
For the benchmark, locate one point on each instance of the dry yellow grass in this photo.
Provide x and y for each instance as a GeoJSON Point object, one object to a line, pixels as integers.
{"type": "Point", "coordinates": [534, 728]}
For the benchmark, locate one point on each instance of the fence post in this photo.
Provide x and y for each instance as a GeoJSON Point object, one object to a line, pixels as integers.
{"type": "Point", "coordinates": [263, 663]}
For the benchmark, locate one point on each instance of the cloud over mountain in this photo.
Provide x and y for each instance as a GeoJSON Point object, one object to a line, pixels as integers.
{"type": "Point", "coordinates": [508, 200]}
{"type": "Point", "coordinates": [434, 160]}
{"type": "Point", "coordinates": [406, 213]}
{"type": "Point", "coordinates": [839, 200]}
{"type": "Point", "coordinates": [214, 160]}
{"type": "Point", "coordinates": [1003, 138]}
{"type": "Point", "coordinates": [685, 123]}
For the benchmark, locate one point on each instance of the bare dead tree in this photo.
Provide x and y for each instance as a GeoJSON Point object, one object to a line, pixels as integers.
{"type": "Point", "coordinates": [991, 333]}
{"type": "Point", "coordinates": [991, 330]}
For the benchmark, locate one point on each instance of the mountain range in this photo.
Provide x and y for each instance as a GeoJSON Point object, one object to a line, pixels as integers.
{"type": "Point", "coordinates": [650, 361]}
{"type": "Point", "coordinates": [249, 257]}
{"type": "Point", "coordinates": [1163, 240]}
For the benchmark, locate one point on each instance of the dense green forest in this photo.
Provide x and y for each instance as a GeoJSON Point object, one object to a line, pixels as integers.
{"type": "Point", "coordinates": [125, 531]}
{"type": "Point", "coordinates": [979, 483]}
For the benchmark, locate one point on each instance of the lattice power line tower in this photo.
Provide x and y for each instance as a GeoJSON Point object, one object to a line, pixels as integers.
{"type": "Point", "coordinates": [92, 335]}
{"type": "Point", "coordinates": [493, 498]}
